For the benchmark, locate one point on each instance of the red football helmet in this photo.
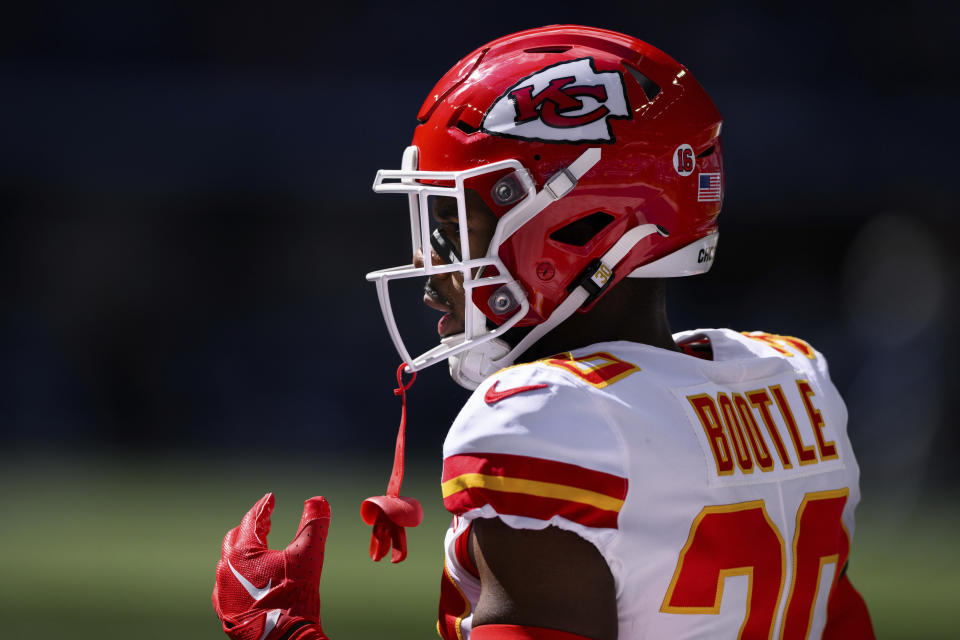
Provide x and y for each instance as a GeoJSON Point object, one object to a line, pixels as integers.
{"type": "Point", "coordinates": [554, 126]}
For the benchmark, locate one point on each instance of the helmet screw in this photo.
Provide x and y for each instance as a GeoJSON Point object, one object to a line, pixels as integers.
{"type": "Point", "coordinates": [546, 271]}
{"type": "Point", "coordinates": [502, 300]}
{"type": "Point", "coordinates": [504, 192]}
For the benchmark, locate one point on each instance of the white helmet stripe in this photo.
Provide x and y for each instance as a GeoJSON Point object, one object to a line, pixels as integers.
{"type": "Point", "coordinates": [696, 257]}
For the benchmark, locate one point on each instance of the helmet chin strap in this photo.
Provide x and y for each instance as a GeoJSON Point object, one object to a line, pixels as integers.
{"type": "Point", "coordinates": [470, 368]}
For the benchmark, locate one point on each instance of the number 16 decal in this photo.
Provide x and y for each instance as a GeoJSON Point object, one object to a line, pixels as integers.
{"type": "Point", "coordinates": [683, 160]}
{"type": "Point", "coordinates": [740, 539]}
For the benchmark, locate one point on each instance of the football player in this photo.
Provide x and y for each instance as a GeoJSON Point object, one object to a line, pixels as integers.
{"type": "Point", "coordinates": [607, 478]}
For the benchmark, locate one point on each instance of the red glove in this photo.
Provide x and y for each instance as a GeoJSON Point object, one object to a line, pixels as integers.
{"type": "Point", "coordinates": [261, 594]}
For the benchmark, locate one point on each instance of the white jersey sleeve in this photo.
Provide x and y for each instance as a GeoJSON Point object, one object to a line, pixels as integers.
{"type": "Point", "coordinates": [534, 448]}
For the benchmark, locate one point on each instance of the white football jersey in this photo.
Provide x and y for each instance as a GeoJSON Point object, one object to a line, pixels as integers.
{"type": "Point", "coordinates": [720, 492]}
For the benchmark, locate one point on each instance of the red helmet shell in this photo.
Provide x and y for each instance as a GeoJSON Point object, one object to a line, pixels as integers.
{"type": "Point", "coordinates": [635, 182]}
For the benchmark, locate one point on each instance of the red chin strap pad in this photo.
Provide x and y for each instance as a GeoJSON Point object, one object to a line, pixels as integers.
{"type": "Point", "coordinates": [518, 632]}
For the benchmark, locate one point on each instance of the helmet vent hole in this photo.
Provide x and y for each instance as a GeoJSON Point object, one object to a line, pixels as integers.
{"type": "Point", "coordinates": [466, 127]}
{"type": "Point", "coordinates": [548, 49]}
{"type": "Point", "coordinates": [706, 152]}
{"type": "Point", "coordinates": [650, 88]}
{"type": "Point", "coordinates": [580, 232]}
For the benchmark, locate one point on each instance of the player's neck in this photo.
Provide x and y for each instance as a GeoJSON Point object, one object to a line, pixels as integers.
{"type": "Point", "coordinates": [634, 310]}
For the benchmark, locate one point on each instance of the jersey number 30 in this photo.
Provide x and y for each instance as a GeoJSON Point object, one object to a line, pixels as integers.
{"type": "Point", "coordinates": [740, 539]}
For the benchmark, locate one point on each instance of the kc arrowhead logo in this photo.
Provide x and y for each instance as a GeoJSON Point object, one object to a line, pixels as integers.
{"type": "Point", "coordinates": [567, 102]}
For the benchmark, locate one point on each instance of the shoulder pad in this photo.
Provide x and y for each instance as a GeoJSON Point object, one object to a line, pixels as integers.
{"type": "Point", "coordinates": [533, 443]}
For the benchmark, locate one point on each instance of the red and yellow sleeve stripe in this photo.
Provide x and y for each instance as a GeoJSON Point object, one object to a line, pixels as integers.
{"type": "Point", "coordinates": [532, 487]}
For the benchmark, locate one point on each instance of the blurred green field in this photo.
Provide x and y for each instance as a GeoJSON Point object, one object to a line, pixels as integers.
{"type": "Point", "coordinates": [125, 548]}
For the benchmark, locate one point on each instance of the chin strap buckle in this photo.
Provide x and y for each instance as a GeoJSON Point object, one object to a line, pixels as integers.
{"type": "Point", "coordinates": [594, 279]}
{"type": "Point", "coordinates": [561, 183]}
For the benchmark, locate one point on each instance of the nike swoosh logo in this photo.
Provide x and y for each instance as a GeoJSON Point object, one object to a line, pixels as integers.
{"type": "Point", "coordinates": [255, 593]}
{"type": "Point", "coordinates": [272, 617]}
{"type": "Point", "coordinates": [492, 395]}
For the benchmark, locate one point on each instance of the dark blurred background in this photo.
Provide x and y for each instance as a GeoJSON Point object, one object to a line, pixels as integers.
{"type": "Point", "coordinates": [186, 219]}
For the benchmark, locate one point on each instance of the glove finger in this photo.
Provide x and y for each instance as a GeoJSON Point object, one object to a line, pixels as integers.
{"type": "Point", "coordinates": [255, 526]}
{"type": "Point", "coordinates": [305, 553]}
{"type": "Point", "coordinates": [316, 508]}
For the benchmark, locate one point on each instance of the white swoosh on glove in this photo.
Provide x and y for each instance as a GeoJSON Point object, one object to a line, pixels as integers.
{"type": "Point", "coordinates": [272, 616]}
{"type": "Point", "coordinates": [255, 593]}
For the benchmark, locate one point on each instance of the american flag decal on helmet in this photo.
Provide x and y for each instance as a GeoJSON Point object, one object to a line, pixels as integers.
{"type": "Point", "coordinates": [708, 189]}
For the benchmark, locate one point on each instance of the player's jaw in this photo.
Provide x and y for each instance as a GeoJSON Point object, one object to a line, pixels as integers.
{"type": "Point", "coordinates": [444, 292]}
